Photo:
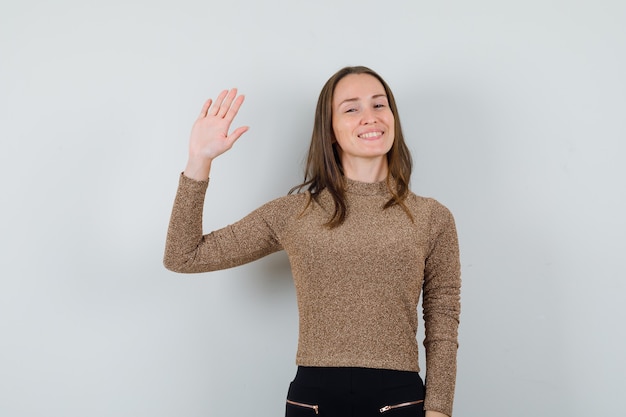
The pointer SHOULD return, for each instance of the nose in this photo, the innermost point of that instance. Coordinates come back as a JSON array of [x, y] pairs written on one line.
[[368, 116]]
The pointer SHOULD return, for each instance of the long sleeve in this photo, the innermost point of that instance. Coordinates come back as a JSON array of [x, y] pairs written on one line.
[[341, 273], [441, 308], [188, 250]]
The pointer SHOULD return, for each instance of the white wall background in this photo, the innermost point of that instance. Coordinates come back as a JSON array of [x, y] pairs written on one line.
[[515, 113]]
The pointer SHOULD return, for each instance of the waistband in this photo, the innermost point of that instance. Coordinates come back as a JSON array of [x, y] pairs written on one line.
[[358, 379]]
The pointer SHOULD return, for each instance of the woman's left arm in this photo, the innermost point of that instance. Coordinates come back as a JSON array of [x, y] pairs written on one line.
[[441, 307]]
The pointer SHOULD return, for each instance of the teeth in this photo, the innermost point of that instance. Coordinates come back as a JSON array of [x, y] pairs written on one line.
[[370, 135]]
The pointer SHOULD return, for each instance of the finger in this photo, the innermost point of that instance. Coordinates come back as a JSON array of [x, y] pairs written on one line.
[[234, 109], [225, 106], [218, 103], [205, 108], [236, 134]]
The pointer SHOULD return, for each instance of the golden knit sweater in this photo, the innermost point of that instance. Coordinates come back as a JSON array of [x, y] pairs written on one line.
[[357, 285]]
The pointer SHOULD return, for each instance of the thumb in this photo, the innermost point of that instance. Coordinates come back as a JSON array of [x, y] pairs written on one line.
[[236, 134]]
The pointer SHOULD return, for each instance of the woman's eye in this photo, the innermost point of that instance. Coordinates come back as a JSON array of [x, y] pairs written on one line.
[[350, 110], [379, 106]]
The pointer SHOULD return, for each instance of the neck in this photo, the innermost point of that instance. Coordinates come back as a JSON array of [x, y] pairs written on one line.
[[365, 170]]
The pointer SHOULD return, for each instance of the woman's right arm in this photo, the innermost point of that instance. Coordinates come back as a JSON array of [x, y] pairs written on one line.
[[209, 138]]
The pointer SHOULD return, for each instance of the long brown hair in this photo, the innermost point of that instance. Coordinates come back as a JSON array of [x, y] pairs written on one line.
[[323, 165]]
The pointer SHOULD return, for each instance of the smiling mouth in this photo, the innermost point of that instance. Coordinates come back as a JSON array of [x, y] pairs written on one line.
[[371, 135]]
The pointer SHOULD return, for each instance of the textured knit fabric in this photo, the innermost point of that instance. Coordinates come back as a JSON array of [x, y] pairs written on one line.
[[357, 285]]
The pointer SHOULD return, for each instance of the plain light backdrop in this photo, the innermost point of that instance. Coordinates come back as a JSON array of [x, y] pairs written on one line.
[[514, 111]]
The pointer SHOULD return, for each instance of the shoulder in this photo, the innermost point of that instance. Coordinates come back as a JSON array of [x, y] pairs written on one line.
[[430, 215], [427, 205], [285, 206]]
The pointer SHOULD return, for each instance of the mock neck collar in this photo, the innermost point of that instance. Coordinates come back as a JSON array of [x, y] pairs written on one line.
[[366, 188]]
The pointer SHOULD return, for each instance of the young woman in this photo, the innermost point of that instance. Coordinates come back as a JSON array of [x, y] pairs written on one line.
[[362, 249]]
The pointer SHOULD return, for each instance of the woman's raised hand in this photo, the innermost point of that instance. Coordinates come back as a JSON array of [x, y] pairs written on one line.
[[209, 135]]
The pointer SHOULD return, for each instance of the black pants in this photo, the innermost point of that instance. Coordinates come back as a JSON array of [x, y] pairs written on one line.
[[357, 392]]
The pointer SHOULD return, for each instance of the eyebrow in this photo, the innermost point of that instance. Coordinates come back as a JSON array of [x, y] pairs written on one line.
[[348, 100]]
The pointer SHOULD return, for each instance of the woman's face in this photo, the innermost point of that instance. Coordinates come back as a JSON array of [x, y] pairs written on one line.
[[362, 120]]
